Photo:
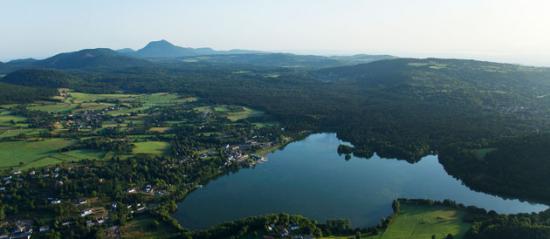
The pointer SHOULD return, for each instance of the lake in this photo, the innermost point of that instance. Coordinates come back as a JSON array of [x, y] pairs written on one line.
[[308, 177]]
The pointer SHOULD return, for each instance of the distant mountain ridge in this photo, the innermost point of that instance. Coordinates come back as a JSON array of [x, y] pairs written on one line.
[[165, 49], [163, 53], [83, 59], [100, 57], [24, 60]]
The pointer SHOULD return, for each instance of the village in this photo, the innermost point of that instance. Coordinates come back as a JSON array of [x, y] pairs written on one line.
[[76, 181], [96, 212]]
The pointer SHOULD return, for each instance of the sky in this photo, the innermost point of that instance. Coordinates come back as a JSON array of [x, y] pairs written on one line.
[[516, 31]]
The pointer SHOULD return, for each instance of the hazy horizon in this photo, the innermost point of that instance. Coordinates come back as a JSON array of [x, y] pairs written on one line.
[[502, 31]]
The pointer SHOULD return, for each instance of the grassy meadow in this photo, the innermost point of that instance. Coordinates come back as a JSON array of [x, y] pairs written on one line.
[[232, 113], [145, 227], [150, 147], [423, 221], [19, 153]]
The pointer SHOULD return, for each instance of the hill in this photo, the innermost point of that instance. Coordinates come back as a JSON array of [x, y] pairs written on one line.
[[12, 65], [84, 59], [165, 49], [361, 58], [40, 78], [126, 51], [91, 58], [286, 60], [21, 94], [267, 60], [23, 61]]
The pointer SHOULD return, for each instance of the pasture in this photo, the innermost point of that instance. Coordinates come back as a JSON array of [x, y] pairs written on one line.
[[150, 147], [20, 153], [423, 221]]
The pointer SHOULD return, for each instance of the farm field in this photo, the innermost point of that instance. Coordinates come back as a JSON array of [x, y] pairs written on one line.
[[52, 107], [9, 120], [423, 221], [23, 148], [144, 227], [150, 147], [19, 132], [14, 153], [77, 116], [233, 113]]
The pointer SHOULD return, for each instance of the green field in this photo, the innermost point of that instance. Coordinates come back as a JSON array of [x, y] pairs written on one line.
[[159, 99], [80, 154], [13, 153], [422, 221], [150, 147], [233, 113], [144, 227], [77, 101], [79, 97], [6, 120], [159, 129], [152, 100], [243, 114], [93, 106], [16, 132], [53, 107]]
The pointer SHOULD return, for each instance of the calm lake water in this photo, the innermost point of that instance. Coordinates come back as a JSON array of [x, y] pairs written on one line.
[[309, 178]]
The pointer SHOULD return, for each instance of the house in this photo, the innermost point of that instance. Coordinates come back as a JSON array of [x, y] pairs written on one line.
[[82, 201], [148, 189], [44, 229], [22, 226], [141, 209], [21, 235], [86, 213]]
